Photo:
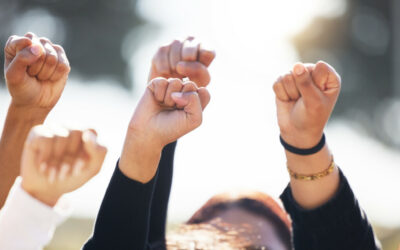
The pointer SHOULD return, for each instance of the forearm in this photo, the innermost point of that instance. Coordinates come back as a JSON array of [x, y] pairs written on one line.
[[18, 123], [140, 157], [311, 194]]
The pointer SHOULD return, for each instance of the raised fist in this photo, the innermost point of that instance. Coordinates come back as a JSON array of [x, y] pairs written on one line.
[[179, 59], [36, 71], [59, 161], [305, 98], [169, 109]]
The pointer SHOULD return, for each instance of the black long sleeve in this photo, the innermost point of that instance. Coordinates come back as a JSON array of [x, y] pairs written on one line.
[[338, 224], [159, 206], [133, 215], [123, 219]]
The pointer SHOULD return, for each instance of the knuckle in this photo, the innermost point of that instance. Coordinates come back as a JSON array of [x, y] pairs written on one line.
[[51, 60], [44, 40], [29, 33], [63, 68]]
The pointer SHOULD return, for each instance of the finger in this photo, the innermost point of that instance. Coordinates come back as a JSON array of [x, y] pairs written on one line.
[[74, 146], [190, 50], [192, 106], [280, 91], [159, 87], [204, 96], [95, 151], [13, 45], [35, 68], [188, 86], [196, 71], [161, 60], [16, 64], [307, 88], [175, 85], [325, 76], [39, 144], [206, 56], [63, 67], [61, 141], [50, 62], [65, 170], [290, 87], [175, 54]]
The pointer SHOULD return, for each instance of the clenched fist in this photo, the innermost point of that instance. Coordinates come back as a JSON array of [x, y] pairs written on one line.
[[168, 110], [55, 162], [179, 59], [305, 98], [36, 71]]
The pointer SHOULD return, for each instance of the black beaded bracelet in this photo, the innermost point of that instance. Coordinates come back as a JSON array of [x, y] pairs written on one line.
[[301, 151]]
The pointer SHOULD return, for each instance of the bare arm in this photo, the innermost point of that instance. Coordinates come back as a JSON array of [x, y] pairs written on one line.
[[305, 98], [36, 72]]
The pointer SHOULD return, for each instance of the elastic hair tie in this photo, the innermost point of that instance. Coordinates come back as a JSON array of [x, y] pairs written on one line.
[[301, 151]]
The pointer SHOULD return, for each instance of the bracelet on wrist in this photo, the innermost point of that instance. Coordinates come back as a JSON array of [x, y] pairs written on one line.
[[312, 177], [302, 151]]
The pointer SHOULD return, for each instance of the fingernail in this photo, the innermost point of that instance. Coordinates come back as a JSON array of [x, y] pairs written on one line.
[[63, 171], [89, 136], [52, 175], [177, 94], [78, 167], [299, 69], [35, 50]]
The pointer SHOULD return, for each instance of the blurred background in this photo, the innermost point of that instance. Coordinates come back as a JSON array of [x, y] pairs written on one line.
[[110, 45]]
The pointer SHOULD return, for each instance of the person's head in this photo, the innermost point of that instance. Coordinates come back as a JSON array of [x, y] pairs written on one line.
[[251, 220]]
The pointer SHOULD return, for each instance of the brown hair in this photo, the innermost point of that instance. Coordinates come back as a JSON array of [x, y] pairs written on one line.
[[254, 202]]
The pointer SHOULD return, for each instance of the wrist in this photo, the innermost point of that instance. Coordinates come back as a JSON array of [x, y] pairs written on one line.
[[140, 157], [28, 114], [302, 139], [48, 199]]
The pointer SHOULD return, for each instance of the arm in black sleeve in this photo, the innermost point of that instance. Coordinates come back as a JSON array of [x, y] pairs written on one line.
[[123, 219], [159, 206], [338, 224]]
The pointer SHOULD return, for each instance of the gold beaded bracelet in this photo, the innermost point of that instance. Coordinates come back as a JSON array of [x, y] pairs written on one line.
[[313, 176]]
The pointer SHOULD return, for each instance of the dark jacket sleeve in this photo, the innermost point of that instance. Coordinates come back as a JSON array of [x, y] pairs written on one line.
[[159, 206], [123, 219], [338, 224]]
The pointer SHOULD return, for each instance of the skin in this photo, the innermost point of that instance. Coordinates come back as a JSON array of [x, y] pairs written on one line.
[[55, 162], [305, 98], [36, 72], [183, 58], [161, 117], [167, 110]]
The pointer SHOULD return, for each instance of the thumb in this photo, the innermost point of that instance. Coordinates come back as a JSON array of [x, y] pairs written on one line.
[[326, 78], [95, 151], [191, 104], [24, 58], [204, 96]]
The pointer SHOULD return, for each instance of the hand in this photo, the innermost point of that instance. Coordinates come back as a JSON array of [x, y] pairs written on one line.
[[57, 163], [305, 99], [168, 110], [36, 71], [179, 59]]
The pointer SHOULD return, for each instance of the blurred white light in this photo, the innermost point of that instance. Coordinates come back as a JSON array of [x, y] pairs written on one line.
[[42, 23]]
